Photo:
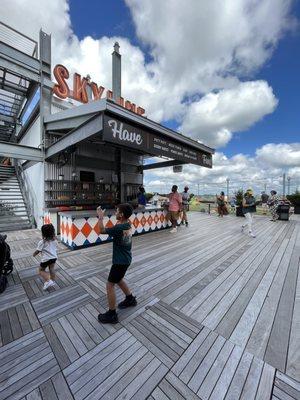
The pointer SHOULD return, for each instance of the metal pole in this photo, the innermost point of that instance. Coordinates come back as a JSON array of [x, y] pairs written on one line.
[[283, 184], [227, 189], [289, 184], [116, 72]]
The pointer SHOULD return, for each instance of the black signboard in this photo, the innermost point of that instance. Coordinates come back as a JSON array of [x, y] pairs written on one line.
[[116, 131]]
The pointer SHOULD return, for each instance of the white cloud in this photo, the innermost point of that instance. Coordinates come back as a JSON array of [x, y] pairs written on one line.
[[196, 49], [280, 155], [213, 118], [200, 50], [266, 167]]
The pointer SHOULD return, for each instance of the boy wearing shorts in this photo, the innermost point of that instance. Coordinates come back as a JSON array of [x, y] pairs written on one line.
[[121, 259]]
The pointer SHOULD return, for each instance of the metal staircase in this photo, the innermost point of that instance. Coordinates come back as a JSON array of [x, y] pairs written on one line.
[[13, 211]]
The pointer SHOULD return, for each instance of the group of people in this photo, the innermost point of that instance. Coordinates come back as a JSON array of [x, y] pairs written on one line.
[[178, 206], [121, 253], [122, 244]]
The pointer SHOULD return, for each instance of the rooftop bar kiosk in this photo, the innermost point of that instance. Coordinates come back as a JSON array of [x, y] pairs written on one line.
[[77, 145], [95, 156]]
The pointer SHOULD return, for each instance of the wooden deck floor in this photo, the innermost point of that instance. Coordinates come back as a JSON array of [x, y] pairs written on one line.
[[218, 317]]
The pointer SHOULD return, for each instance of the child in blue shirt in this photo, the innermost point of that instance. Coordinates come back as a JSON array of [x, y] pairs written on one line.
[[121, 259]]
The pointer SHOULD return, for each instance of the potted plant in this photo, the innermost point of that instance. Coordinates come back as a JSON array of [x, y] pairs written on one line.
[[295, 200], [239, 203]]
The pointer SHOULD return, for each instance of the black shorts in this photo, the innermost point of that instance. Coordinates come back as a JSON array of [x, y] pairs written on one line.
[[45, 264], [117, 273]]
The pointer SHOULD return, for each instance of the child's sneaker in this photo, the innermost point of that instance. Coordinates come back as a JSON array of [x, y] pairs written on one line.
[[252, 234], [48, 284], [173, 230], [130, 301], [109, 317]]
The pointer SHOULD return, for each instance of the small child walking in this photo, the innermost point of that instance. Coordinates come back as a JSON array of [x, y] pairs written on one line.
[[121, 259], [48, 249]]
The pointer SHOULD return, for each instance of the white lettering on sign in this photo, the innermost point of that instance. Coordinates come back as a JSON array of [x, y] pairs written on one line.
[[123, 134], [206, 160]]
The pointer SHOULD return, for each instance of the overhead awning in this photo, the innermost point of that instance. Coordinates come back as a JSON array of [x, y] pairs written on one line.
[[104, 120]]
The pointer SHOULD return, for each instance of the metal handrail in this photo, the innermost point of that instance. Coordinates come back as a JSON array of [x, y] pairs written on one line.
[[27, 192]]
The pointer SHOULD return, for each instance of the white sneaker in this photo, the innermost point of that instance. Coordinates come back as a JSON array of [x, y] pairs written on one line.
[[48, 284], [173, 230], [252, 234]]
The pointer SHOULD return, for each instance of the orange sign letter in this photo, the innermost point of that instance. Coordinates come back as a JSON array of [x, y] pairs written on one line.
[[61, 89], [79, 91]]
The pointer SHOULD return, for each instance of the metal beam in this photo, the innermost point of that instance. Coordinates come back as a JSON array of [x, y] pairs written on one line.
[[20, 152], [79, 111], [161, 165], [85, 131], [7, 118], [70, 123]]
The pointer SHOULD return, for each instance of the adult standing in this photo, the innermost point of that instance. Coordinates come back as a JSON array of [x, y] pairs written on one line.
[[264, 202], [273, 204], [249, 207], [175, 206], [222, 209], [185, 205]]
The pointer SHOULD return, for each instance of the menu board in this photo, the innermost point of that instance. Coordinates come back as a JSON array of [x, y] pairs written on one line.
[[121, 133]]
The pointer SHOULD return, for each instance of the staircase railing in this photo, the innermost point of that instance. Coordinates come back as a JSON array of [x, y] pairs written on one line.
[[27, 193]]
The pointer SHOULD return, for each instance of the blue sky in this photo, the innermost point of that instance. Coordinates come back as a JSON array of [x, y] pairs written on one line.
[[113, 18], [224, 72]]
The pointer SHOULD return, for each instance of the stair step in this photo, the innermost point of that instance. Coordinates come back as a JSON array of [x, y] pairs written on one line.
[[2, 168], [14, 228], [14, 219]]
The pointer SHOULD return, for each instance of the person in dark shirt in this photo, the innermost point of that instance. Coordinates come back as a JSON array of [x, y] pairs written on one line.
[[142, 201], [249, 207], [264, 202], [121, 259]]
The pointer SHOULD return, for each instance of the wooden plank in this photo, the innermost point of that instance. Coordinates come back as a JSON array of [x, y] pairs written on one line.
[[280, 394], [238, 381], [244, 327], [235, 311], [150, 384], [223, 383], [184, 360], [100, 384], [89, 359], [277, 349], [265, 387], [47, 390], [137, 332], [61, 388], [141, 384], [128, 380], [179, 387], [66, 343], [57, 348], [192, 366], [34, 395], [215, 371], [206, 364], [252, 381]]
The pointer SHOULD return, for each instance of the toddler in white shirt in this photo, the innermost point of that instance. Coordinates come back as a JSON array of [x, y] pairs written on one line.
[[48, 249]]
